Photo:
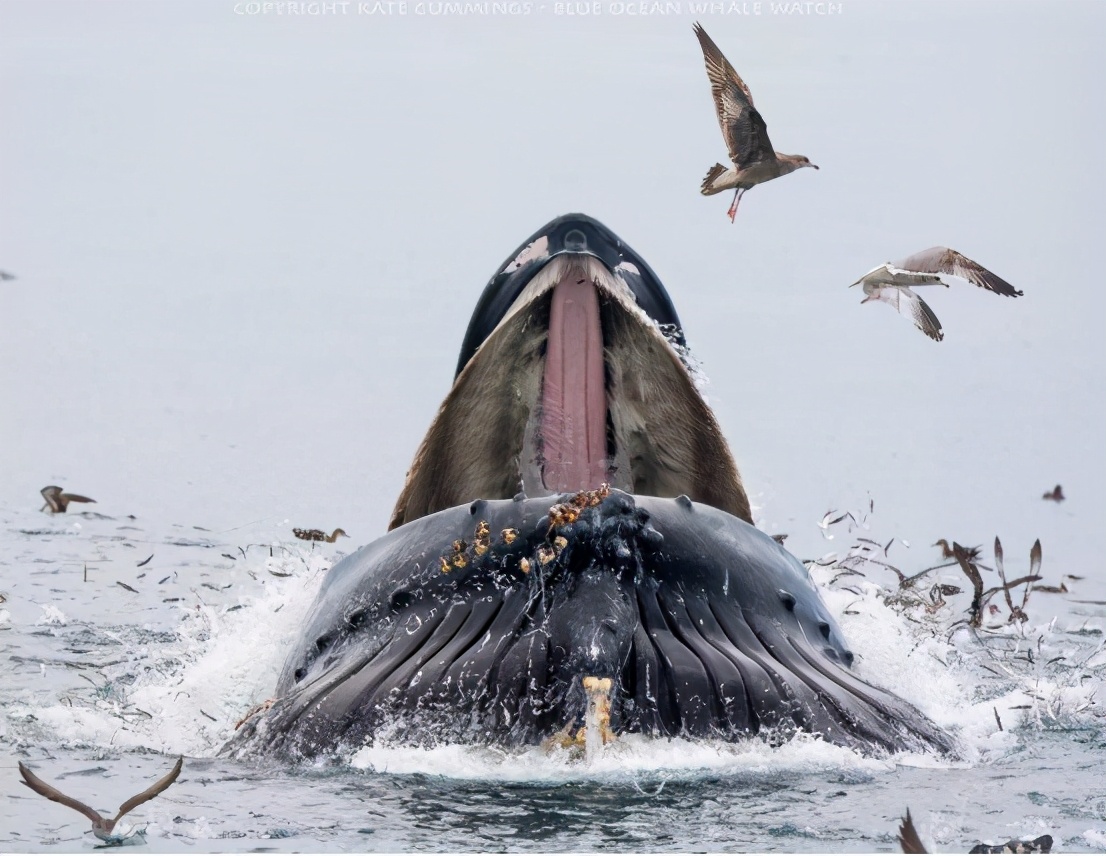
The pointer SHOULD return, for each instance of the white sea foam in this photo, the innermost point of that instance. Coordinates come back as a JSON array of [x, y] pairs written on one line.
[[189, 694], [52, 616], [629, 758]]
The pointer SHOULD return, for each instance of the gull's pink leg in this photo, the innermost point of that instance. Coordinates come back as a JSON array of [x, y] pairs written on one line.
[[736, 199]]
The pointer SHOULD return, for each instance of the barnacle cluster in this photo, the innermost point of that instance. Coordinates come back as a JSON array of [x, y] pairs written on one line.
[[462, 551], [457, 557], [482, 542], [565, 513], [561, 514]]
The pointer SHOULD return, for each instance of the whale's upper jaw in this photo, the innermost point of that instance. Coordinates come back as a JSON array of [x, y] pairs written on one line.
[[576, 234], [576, 383]]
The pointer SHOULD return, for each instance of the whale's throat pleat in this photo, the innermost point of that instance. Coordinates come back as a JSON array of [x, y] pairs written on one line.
[[574, 396]]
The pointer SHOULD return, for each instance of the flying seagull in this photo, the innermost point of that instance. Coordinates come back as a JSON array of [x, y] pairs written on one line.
[[743, 129], [891, 283], [1056, 494], [102, 827], [57, 502]]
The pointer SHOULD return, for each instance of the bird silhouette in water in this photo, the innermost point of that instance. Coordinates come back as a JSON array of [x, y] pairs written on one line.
[[1056, 494], [743, 129], [57, 502], [890, 283], [911, 842], [102, 827], [948, 553], [319, 535], [1041, 844]]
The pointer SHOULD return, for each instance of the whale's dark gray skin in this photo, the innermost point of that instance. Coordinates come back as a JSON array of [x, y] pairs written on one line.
[[477, 618], [706, 626]]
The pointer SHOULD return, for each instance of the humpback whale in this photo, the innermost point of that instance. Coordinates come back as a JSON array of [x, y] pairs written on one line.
[[573, 540]]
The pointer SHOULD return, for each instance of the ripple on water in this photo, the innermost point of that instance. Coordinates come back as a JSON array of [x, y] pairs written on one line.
[[171, 668]]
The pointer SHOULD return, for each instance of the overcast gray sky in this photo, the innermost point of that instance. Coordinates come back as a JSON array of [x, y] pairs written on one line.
[[247, 247]]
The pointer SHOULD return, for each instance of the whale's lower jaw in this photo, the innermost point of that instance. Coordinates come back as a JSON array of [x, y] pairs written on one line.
[[478, 624]]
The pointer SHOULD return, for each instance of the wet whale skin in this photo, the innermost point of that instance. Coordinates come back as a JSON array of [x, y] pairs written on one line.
[[706, 626]]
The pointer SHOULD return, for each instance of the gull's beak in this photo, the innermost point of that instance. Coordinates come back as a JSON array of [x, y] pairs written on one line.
[[813, 165]]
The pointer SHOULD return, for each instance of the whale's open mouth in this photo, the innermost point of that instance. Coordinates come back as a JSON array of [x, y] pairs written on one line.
[[572, 374], [592, 381], [513, 605]]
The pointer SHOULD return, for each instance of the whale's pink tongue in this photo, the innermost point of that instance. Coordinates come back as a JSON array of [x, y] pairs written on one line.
[[574, 397]]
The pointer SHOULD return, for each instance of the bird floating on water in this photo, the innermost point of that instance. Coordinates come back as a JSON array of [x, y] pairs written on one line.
[[319, 535], [1041, 844], [743, 129], [1056, 494], [102, 827], [891, 283], [948, 553], [57, 502], [911, 842]]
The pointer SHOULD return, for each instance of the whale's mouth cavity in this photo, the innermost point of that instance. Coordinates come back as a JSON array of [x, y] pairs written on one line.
[[571, 376], [573, 431]]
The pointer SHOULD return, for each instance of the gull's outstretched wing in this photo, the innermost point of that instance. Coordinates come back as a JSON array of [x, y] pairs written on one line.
[[909, 840], [944, 260], [151, 791], [1035, 558], [743, 128], [907, 303], [51, 793]]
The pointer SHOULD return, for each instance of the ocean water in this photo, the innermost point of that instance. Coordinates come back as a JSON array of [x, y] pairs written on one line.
[[246, 247], [105, 685]]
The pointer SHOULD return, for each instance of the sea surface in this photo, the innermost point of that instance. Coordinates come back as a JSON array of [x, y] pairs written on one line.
[[128, 642]]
